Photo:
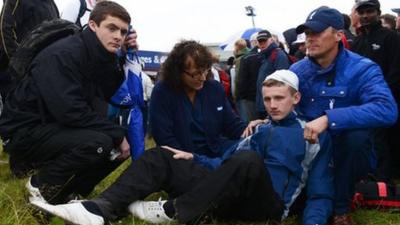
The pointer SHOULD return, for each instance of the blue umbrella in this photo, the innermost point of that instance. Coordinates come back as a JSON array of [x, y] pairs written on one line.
[[245, 34]]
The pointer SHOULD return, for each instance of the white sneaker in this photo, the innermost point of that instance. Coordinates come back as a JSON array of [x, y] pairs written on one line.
[[34, 193], [149, 211], [73, 213]]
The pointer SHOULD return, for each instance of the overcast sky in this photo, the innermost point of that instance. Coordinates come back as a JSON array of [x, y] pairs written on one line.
[[162, 23]]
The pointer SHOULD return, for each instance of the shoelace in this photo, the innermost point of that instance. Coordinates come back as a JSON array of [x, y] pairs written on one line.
[[156, 206], [35, 192]]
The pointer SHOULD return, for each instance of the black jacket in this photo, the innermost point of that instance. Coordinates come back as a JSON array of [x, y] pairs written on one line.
[[382, 46], [69, 83], [19, 17], [247, 81]]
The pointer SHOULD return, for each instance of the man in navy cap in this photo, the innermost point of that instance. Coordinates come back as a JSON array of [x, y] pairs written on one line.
[[271, 58], [382, 46], [345, 94]]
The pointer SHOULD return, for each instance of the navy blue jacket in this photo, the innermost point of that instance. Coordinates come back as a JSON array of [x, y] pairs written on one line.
[[170, 122]]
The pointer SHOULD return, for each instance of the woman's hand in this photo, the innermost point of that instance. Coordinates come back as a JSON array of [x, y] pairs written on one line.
[[179, 154]]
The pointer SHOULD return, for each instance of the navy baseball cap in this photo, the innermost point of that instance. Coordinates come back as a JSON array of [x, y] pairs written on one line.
[[263, 35], [397, 10], [322, 18]]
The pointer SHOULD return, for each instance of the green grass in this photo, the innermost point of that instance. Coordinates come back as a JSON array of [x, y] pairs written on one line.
[[14, 209]]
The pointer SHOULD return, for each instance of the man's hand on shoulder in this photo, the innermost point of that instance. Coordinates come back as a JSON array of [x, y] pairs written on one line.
[[313, 128], [251, 126]]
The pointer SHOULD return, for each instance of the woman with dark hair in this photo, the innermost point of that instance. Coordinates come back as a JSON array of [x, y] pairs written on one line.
[[189, 110]]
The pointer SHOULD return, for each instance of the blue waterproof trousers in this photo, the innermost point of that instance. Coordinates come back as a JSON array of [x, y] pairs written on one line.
[[352, 150]]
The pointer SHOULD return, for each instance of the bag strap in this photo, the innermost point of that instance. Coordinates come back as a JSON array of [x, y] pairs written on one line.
[[82, 10]]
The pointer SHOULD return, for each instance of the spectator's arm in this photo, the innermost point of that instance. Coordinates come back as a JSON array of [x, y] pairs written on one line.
[[282, 61], [377, 107], [62, 93]]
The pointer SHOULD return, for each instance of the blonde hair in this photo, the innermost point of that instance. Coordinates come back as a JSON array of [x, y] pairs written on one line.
[[240, 44]]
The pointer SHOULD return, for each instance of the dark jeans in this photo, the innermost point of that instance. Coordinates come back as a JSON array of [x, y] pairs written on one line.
[[75, 159], [352, 151], [387, 148], [239, 189]]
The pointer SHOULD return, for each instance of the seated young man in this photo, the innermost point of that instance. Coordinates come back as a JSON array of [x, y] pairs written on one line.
[[259, 179]]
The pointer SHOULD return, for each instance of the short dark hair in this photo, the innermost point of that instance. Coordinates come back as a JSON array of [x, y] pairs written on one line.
[[173, 67], [390, 19], [109, 8], [230, 61]]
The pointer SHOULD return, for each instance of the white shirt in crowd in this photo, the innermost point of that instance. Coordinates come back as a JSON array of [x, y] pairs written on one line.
[[215, 74], [148, 86], [69, 10]]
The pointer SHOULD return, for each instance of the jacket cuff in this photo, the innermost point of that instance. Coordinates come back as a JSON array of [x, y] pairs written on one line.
[[334, 121], [118, 136]]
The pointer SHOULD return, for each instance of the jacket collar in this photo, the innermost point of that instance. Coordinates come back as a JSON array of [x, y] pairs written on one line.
[[339, 57], [96, 50], [290, 119], [242, 52], [266, 52]]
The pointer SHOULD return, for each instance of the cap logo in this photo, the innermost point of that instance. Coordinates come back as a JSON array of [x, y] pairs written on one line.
[[312, 15]]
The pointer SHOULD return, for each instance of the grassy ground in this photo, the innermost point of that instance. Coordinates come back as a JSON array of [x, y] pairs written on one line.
[[14, 209]]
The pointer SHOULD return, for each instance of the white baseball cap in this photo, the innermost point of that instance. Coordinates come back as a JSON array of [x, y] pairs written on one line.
[[301, 38], [285, 76]]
